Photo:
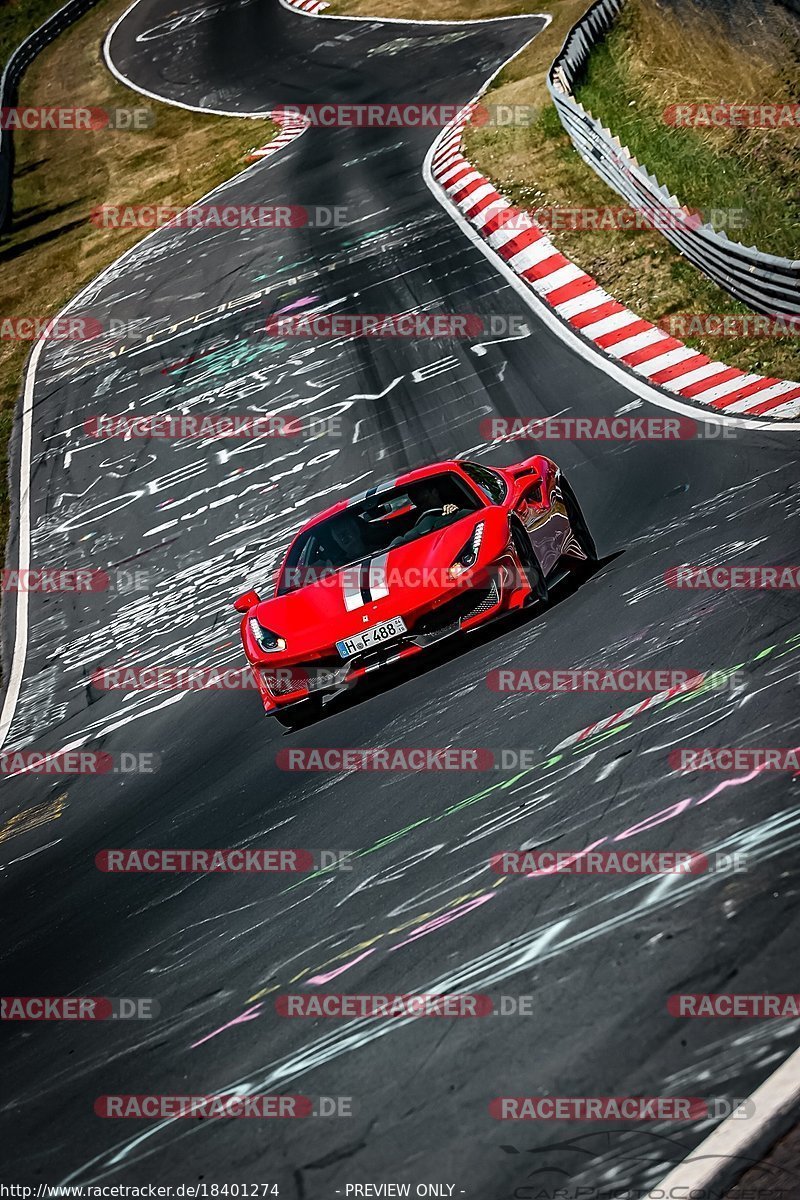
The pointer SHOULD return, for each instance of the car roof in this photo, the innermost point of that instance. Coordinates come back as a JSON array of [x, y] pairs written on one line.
[[385, 486]]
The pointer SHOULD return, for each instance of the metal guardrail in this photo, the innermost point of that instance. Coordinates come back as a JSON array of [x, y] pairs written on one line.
[[14, 69], [765, 282]]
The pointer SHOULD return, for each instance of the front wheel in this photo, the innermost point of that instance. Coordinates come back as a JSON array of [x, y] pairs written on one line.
[[580, 536], [530, 566]]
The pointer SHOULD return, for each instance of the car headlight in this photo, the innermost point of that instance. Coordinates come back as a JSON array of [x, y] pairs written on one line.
[[265, 639], [468, 554]]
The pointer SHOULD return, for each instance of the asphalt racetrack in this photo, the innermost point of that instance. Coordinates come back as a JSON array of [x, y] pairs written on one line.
[[420, 910]]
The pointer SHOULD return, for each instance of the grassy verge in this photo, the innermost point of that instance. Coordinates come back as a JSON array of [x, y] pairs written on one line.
[[654, 57], [537, 165], [54, 249]]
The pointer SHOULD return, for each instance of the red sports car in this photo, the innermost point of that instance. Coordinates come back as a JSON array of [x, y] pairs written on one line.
[[376, 579]]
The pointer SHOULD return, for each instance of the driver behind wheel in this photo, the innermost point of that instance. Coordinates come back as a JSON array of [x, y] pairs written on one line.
[[433, 515]]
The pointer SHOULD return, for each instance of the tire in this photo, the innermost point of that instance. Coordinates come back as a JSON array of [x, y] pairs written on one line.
[[297, 716], [530, 566], [580, 532]]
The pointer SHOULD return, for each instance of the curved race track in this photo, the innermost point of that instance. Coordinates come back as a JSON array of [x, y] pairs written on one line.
[[599, 956]]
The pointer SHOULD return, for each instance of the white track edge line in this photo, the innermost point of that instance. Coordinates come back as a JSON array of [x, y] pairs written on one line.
[[324, 16], [774, 1101]]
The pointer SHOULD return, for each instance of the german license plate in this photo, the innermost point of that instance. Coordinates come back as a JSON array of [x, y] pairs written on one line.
[[376, 635]]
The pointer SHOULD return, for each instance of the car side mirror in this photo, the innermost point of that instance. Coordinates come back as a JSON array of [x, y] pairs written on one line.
[[246, 601]]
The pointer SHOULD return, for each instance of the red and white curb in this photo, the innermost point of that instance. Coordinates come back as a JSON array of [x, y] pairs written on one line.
[[625, 714], [292, 125], [308, 6], [577, 298]]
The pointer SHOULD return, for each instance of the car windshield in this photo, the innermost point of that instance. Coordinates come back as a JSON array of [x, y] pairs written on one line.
[[376, 524]]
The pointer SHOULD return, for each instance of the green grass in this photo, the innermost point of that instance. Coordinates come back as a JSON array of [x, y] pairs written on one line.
[[755, 171]]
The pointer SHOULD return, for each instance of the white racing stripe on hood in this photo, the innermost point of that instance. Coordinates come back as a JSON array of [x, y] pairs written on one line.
[[365, 583], [351, 588], [377, 577]]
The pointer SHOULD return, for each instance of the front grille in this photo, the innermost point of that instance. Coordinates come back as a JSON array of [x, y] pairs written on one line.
[[489, 601], [318, 676], [449, 617]]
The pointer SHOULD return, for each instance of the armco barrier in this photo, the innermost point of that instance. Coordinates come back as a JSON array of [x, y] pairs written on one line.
[[14, 69], [765, 282]]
